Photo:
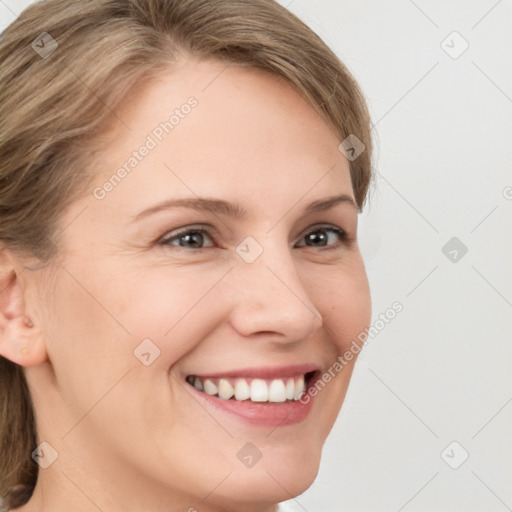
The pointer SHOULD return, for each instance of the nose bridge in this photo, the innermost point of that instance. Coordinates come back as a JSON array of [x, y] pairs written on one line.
[[271, 296]]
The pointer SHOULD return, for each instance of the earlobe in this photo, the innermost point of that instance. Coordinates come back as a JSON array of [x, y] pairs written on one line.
[[20, 338], [22, 344]]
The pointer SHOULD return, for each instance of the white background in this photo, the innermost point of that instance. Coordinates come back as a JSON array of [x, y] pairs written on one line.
[[441, 370]]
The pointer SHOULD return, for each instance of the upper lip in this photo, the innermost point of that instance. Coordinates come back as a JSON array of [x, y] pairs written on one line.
[[266, 372]]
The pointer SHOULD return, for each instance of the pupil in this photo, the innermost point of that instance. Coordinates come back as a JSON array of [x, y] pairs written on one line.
[[318, 237], [195, 239]]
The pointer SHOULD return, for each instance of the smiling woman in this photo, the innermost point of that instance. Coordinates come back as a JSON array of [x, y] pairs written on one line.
[[156, 341]]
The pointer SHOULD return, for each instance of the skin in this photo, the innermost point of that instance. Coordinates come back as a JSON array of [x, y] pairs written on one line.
[[130, 437]]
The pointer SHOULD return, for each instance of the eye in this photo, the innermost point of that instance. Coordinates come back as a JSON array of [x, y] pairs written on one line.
[[188, 239], [328, 237]]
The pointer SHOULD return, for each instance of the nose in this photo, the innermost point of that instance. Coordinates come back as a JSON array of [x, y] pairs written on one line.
[[270, 298]]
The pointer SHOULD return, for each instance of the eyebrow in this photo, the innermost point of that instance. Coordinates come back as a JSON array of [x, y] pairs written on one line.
[[235, 210]]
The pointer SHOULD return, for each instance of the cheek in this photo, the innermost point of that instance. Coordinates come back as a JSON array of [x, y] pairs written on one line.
[[175, 308], [88, 344], [342, 296], [180, 308]]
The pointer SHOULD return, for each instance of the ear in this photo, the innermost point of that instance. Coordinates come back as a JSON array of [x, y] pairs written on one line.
[[20, 335]]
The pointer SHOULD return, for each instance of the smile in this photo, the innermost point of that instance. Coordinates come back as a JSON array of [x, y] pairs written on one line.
[[276, 390], [261, 397]]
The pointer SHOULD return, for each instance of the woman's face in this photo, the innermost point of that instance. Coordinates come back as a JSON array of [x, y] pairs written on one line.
[[242, 287]]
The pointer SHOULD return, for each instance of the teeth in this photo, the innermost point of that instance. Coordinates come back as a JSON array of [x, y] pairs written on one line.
[[242, 390], [226, 390], [259, 391], [198, 384], [210, 387], [290, 389], [299, 388], [277, 391], [256, 390]]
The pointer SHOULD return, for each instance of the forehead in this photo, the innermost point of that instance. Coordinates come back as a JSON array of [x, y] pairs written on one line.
[[210, 128]]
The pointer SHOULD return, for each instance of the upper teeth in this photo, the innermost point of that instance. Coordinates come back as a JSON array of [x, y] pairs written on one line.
[[256, 390]]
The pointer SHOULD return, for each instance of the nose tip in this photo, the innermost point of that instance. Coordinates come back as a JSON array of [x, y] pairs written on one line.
[[275, 303]]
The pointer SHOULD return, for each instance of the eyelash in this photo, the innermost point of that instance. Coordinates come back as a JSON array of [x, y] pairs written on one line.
[[343, 236]]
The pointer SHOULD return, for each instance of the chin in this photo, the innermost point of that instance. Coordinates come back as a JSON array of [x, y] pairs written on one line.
[[284, 471], [267, 485]]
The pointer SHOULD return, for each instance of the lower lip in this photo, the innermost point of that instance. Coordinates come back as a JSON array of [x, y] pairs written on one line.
[[264, 414]]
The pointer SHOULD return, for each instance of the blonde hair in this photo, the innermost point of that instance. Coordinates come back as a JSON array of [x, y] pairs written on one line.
[[65, 67]]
